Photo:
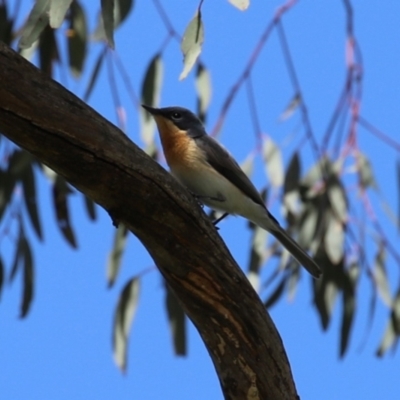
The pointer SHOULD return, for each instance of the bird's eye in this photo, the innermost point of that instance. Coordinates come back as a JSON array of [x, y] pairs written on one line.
[[176, 115]]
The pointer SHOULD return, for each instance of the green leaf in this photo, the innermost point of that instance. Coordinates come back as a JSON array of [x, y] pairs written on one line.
[[107, 14], [192, 41], [365, 173], [58, 9], [36, 22], [334, 239], [28, 278], [257, 256], [29, 186], [120, 10], [396, 313], [8, 182], [292, 284], [242, 5], [60, 195], [338, 201], [389, 339], [326, 289], [349, 306], [276, 294], [48, 50], [291, 107], [94, 76], [6, 25], [90, 206], [18, 163], [248, 164], [151, 88], [308, 226], [18, 252], [380, 276], [177, 321], [123, 318], [292, 177], [203, 89], [273, 162], [115, 256], [77, 39]]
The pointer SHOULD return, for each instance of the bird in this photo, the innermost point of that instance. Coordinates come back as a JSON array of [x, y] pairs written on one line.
[[209, 171]]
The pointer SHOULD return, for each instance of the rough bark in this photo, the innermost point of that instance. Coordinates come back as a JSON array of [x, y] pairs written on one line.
[[64, 133]]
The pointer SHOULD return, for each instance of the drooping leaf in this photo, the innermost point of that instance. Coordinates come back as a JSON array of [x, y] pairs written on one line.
[[396, 313], [389, 339], [257, 256], [151, 89], [292, 284], [322, 167], [292, 176], [36, 22], [29, 188], [365, 173], [326, 288], [6, 25], [115, 256], [77, 39], [192, 41], [123, 318], [242, 5], [334, 239], [291, 107], [203, 89], [121, 11], [61, 191], [48, 50], [107, 14], [58, 9], [177, 322], [248, 164], [273, 162], [28, 278], [90, 206], [338, 201], [94, 76], [349, 307], [380, 276], [8, 182], [276, 294], [18, 252]]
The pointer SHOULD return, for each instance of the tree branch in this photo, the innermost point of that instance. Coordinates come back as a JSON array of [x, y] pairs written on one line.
[[44, 118]]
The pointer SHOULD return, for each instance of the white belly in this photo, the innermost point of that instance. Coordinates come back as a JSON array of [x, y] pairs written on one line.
[[210, 185]]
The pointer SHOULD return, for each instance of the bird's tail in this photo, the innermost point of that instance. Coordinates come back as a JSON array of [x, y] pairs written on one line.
[[296, 251]]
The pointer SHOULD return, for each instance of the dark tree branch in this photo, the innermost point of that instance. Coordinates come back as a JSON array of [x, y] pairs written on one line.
[[44, 118]]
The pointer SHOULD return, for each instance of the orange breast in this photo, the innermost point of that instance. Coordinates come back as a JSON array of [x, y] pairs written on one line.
[[180, 150]]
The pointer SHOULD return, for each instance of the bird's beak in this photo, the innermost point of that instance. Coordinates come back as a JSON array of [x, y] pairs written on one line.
[[151, 110]]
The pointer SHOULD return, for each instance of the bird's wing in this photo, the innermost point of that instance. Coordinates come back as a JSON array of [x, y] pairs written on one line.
[[226, 165]]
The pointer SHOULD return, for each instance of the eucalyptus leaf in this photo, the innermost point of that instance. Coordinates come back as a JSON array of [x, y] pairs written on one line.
[[115, 256], [151, 88], [192, 41], [37, 20], [123, 318], [58, 9], [273, 162], [177, 322]]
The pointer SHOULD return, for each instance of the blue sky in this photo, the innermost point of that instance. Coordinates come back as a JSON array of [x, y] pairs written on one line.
[[62, 350]]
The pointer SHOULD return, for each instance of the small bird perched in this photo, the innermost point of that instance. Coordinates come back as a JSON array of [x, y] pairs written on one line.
[[202, 165]]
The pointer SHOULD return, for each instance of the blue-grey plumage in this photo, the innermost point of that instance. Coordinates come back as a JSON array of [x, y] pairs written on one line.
[[202, 165]]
